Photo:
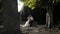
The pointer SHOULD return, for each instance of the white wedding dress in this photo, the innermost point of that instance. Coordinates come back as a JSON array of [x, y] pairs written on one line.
[[27, 22]]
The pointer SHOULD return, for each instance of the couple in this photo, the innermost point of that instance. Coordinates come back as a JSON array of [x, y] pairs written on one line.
[[29, 19]]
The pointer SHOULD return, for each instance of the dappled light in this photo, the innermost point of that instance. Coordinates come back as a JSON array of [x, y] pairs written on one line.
[[29, 17]]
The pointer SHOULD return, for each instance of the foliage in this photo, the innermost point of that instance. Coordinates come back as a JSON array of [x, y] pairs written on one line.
[[57, 0], [30, 3], [0, 6]]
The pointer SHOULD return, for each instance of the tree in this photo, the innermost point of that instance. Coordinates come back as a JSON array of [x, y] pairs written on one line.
[[10, 17], [30, 3]]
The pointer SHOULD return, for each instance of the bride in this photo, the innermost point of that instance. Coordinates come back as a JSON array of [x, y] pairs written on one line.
[[29, 18]]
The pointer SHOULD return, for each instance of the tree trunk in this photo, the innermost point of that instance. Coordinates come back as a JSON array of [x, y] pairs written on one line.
[[10, 17]]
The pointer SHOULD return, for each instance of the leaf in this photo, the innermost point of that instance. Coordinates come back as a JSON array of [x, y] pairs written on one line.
[[30, 3]]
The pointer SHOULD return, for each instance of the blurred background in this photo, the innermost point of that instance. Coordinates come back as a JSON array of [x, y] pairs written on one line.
[[37, 8]]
